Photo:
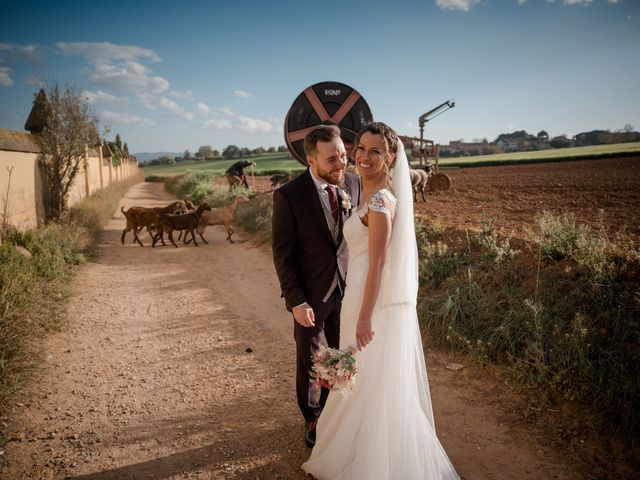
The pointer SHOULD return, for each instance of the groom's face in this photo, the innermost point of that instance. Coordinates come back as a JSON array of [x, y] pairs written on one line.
[[329, 161]]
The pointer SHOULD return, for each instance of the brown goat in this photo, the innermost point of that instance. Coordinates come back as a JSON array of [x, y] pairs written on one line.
[[221, 216], [140, 217], [188, 222]]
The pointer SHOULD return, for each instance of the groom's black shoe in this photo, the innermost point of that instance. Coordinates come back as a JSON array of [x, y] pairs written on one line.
[[310, 433]]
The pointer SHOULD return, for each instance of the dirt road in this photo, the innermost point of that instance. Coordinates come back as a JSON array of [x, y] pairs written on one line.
[[178, 363]]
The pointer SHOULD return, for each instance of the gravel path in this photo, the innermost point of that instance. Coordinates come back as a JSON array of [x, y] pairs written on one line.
[[178, 363]]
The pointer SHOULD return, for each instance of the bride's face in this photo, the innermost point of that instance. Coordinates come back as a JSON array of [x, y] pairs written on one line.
[[372, 155]]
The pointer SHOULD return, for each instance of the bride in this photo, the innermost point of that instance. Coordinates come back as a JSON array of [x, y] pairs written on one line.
[[385, 428]]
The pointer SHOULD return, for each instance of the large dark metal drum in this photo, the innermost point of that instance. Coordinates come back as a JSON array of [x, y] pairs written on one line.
[[325, 102]]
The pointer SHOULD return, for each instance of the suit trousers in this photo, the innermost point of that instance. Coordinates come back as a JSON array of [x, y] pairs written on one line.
[[311, 398]]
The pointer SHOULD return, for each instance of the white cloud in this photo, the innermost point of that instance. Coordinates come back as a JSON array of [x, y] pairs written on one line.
[[127, 75], [226, 111], [106, 51], [253, 125], [203, 108], [522, 2], [154, 102], [173, 108], [464, 5], [148, 100], [186, 95], [126, 119], [577, 2], [117, 66], [5, 77], [216, 124], [242, 94], [104, 97], [613, 2], [10, 54]]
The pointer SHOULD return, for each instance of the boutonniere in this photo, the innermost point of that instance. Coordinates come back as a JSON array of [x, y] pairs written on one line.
[[346, 201]]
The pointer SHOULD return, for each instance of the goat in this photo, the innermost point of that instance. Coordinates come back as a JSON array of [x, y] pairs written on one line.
[[220, 216], [190, 207], [279, 179], [140, 217], [428, 167], [187, 221], [420, 179], [418, 182]]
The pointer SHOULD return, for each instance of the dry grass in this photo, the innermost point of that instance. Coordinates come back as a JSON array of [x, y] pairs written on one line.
[[562, 314], [33, 291]]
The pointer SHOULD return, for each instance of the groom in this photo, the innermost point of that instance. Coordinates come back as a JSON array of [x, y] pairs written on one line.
[[310, 256]]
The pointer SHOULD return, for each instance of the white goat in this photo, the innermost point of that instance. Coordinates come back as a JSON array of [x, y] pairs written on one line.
[[419, 180]]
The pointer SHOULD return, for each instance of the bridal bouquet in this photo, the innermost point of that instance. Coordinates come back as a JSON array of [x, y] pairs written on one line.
[[335, 369]]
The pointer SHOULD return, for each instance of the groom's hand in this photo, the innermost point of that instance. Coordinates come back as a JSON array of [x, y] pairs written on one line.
[[304, 315]]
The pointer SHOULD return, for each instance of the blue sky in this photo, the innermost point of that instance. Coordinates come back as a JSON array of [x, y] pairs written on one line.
[[170, 76]]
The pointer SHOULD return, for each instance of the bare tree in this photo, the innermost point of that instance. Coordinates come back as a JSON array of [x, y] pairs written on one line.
[[70, 127]]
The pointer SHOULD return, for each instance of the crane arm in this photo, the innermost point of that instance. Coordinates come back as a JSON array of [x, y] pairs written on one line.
[[425, 117]]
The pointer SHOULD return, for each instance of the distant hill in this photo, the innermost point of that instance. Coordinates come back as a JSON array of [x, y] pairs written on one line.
[[146, 156]]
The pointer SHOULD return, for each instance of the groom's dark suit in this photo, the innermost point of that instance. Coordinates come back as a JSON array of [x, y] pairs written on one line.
[[305, 254]]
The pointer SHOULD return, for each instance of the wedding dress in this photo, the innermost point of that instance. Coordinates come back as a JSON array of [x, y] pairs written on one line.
[[385, 428]]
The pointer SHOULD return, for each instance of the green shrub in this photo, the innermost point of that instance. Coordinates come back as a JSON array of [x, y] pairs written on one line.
[[557, 236], [574, 331], [255, 216], [196, 186], [498, 250], [219, 195], [436, 263], [155, 179]]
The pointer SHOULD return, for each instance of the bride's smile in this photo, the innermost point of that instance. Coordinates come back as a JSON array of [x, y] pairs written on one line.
[[372, 155]]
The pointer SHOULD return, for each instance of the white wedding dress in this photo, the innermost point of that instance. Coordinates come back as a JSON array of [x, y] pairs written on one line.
[[385, 428]]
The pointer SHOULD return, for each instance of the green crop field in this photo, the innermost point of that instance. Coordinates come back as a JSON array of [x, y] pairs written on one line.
[[270, 163], [265, 165], [555, 155]]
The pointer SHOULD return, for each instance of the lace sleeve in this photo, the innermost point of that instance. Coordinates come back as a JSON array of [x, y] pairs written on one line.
[[381, 201]]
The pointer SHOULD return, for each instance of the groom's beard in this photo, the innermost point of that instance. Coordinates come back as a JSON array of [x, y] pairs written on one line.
[[334, 178]]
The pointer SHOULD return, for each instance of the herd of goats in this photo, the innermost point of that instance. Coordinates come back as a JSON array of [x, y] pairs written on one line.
[[185, 217], [182, 216]]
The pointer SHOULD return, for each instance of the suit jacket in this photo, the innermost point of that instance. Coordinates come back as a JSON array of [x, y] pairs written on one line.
[[305, 253]]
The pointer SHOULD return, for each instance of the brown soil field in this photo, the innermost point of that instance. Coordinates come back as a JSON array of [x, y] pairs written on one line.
[[514, 194], [178, 362]]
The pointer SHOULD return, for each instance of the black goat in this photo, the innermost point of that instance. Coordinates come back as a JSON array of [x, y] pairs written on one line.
[[188, 222]]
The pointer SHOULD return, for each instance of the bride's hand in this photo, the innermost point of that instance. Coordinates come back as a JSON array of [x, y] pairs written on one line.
[[364, 333]]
